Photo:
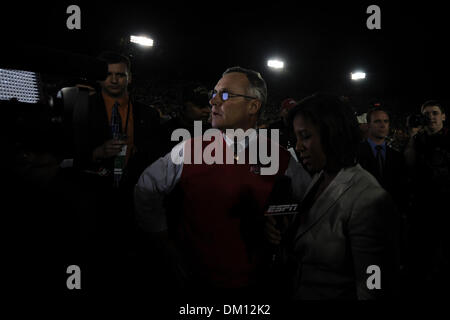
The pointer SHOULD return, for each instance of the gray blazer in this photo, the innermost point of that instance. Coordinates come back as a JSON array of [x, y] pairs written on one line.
[[348, 228]]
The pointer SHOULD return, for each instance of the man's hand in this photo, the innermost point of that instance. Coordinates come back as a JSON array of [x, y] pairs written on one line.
[[109, 149], [413, 131]]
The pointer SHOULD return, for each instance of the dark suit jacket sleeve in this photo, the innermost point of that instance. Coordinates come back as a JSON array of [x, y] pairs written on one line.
[[365, 156], [95, 132], [371, 240], [147, 139], [399, 179]]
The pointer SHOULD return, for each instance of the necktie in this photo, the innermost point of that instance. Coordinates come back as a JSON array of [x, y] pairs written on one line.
[[116, 121], [116, 128], [380, 161]]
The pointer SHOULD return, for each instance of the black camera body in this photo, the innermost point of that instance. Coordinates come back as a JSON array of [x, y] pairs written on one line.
[[57, 123]]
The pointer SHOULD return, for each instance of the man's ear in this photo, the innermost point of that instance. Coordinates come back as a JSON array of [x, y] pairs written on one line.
[[443, 117], [129, 77], [255, 105]]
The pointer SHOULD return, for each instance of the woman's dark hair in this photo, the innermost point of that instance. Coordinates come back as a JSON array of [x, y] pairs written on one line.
[[337, 124]]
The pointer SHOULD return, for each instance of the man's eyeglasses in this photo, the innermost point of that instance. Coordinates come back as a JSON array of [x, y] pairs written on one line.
[[225, 95]]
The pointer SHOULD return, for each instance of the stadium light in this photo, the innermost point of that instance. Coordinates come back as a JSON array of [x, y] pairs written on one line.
[[358, 75], [275, 64], [143, 41]]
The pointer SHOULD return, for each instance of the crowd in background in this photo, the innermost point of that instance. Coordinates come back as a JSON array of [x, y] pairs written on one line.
[[165, 101]]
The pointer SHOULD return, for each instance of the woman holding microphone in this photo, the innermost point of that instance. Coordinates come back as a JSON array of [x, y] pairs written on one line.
[[341, 244]]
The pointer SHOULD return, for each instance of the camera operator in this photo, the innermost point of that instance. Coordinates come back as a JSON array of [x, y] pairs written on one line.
[[45, 216], [428, 158]]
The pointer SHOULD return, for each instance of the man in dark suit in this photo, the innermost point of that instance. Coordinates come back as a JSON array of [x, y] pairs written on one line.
[[137, 126], [388, 167], [383, 162], [122, 140]]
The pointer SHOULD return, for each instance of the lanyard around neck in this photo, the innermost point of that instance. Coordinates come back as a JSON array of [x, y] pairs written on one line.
[[128, 116]]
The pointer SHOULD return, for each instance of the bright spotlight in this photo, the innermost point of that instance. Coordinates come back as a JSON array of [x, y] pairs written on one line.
[[21, 85], [358, 75], [143, 41], [276, 64]]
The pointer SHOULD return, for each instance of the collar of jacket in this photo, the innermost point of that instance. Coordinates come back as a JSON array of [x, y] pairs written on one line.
[[328, 198]]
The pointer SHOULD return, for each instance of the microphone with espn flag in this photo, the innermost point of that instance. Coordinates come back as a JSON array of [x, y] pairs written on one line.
[[281, 200]]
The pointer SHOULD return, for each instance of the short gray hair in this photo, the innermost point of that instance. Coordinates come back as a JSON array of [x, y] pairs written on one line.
[[257, 87]]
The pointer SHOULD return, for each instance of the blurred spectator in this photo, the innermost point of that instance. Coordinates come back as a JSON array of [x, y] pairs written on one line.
[[398, 139], [282, 125], [363, 125], [195, 106], [163, 110]]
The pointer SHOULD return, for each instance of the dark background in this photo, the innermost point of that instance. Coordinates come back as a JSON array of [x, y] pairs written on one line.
[[406, 62]]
